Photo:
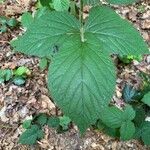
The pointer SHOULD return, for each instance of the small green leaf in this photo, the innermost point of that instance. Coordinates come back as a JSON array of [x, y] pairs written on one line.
[[45, 2], [112, 117], [3, 29], [41, 119], [146, 99], [100, 125], [2, 1], [26, 124], [114, 132], [30, 136], [43, 63], [122, 2], [8, 74], [146, 133], [64, 122], [12, 22], [26, 19], [127, 130], [3, 20], [140, 115], [129, 93], [61, 5], [5, 75], [22, 71], [129, 58], [2, 80], [19, 81], [129, 113], [53, 122]]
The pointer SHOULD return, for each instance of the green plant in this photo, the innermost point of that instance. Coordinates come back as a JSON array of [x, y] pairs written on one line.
[[119, 120], [31, 135], [17, 75], [6, 23], [140, 100], [5, 75], [82, 76], [129, 58], [33, 127]]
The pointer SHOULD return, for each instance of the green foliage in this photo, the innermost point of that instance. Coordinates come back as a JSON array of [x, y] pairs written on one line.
[[121, 2], [127, 130], [45, 2], [18, 75], [19, 81], [129, 93], [30, 136], [5, 75], [6, 23], [141, 8], [146, 99], [140, 115], [58, 5], [41, 119], [27, 124], [53, 122], [12, 22], [129, 58], [2, 1], [22, 71], [26, 20], [129, 113], [72, 42], [61, 5], [64, 122], [81, 76], [118, 123], [141, 106], [143, 132], [34, 126], [43, 63], [112, 117], [91, 2]]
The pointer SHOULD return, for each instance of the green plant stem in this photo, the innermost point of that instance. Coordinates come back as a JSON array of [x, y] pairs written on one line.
[[81, 12], [81, 20]]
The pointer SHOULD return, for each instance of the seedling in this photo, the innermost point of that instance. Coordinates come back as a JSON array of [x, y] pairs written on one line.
[[36, 124]]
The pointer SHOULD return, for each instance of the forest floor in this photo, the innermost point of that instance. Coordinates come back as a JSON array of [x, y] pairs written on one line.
[[18, 103]]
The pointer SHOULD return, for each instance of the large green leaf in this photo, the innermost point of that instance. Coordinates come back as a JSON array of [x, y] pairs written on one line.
[[121, 2], [79, 82], [115, 34], [81, 76]]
